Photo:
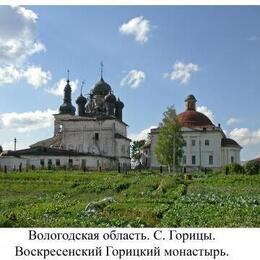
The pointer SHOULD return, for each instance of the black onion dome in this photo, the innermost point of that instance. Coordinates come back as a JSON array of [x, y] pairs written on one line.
[[67, 107], [120, 104], [101, 88], [81, 100], [110, 98]]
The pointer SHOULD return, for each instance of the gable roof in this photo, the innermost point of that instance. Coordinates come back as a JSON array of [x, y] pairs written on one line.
[[45, 151], [53, 142]]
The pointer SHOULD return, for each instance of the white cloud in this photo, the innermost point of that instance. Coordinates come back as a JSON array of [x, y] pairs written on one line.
[[58, 89], [182, 72], [18, 38], [9, 75], [245, 136], [143, 134], [207, 112], [138, 27], [27, 14], [232, 120], [18, 42], [133, 78], [27, 121], [35, 76]]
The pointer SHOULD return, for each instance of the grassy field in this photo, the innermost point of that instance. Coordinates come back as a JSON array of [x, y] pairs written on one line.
[[59, 199]]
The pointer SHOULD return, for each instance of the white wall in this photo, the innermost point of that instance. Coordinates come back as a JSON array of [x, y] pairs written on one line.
[[228, 152], [122, 147], [200, 150], [92, 162], [12, 163], [79, 135]]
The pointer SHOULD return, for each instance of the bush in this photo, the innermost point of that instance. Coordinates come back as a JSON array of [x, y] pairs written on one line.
[[233, 168], [252, 167]]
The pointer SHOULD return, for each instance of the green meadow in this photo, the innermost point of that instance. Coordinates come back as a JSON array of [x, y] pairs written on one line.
[[142, 199]]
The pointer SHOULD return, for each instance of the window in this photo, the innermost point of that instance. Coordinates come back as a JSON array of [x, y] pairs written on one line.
[[83, 163], [211, 159], [96, 136], [123, 149], [193, 142], [184, 159], [57, 162], [184, 143], [207, 142], [193, 159], [42, 162], [232, 159], [49, 162], [70, 162]]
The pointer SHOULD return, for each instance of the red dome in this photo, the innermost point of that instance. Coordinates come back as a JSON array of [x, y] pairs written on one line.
[[191, 118]]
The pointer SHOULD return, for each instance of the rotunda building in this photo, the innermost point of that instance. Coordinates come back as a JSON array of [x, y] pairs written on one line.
[[205, 144]]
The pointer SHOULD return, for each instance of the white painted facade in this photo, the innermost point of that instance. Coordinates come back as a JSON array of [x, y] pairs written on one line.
[[95, 138], [206, 145], [106, 137], [202, 149]]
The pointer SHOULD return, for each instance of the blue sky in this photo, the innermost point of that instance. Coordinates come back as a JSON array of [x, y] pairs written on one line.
[[153, 57]]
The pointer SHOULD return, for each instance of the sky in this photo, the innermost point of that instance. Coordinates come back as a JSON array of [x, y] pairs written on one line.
[[153, 58]]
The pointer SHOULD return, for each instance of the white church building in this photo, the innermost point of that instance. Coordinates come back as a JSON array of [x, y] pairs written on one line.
[[95, 138], [205, 145]]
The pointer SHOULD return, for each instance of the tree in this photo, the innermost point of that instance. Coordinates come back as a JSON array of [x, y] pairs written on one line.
[[252, 167], [136, 150], [170, 142]]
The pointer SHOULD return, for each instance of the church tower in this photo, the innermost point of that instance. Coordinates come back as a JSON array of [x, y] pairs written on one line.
[[67, 107]]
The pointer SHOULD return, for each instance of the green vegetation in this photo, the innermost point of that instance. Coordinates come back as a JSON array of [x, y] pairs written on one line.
[[146, 199], [136, 151], [252, 167], [170, 142]]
